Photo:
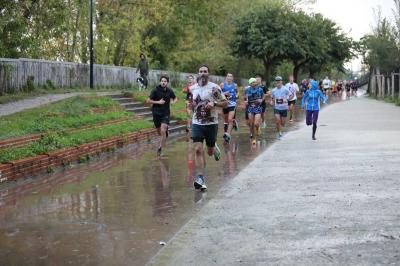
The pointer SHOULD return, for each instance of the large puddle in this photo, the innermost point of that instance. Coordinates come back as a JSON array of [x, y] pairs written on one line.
[[115, 210]]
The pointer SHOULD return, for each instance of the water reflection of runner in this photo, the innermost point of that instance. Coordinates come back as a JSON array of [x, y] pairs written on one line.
[[190, 164], [230, 160], [206, 97], [311, 102], [163, 203]]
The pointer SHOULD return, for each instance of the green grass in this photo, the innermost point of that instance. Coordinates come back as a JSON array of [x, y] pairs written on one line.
[[74, 112], [62, 140], [388, 99]]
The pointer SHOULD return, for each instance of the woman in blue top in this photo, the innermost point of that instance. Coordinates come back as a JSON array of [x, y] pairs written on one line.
[[254, 96], [229, 88], [311, 102]]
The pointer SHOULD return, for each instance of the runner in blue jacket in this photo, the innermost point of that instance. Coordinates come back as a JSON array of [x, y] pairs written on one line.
[[311, 102]]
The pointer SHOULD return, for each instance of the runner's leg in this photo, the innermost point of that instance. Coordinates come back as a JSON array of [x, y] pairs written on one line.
[[163, 131], [231, 117], [257, 122]]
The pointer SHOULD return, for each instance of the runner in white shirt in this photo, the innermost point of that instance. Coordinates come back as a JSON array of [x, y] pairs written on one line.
[[327, 84], [294, 89], [206, 97]]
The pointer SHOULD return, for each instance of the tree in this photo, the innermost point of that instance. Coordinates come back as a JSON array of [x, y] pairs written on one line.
[[265, 34], [276, 33]]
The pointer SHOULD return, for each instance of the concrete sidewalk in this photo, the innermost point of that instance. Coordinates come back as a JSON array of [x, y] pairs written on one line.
[[18, 106], [334, 201]]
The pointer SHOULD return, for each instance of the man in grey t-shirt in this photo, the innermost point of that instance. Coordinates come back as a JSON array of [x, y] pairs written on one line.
[[206, 97], [279, 99]]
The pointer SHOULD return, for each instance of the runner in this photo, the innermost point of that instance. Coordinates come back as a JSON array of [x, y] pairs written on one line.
[[160, 98], [206, 97], [279, 99], [340, 88], [327, 83], [229, 88], [304, 86], [311, 102], [354, 88], [334, 90], [189, 102], [263, 104], [294, 89], [348, 89], [254, 96]]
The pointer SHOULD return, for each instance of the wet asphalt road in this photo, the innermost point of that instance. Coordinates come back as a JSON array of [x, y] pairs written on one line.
[[115, 210]]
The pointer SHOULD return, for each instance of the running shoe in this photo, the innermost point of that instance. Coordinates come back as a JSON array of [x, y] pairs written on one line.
[[235, 125], [313, 137], [217, 153], [291, 121], [254, 142], [264, 125], [199, 183], [226, 137]]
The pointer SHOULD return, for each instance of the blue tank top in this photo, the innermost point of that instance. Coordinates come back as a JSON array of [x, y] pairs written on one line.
[[232, 92]]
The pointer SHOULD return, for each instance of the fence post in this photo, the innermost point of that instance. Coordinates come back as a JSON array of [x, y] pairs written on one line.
[[392, 85], [399, 85], [388, 86]]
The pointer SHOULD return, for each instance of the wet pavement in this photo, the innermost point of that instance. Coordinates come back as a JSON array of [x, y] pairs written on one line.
[[334, 201], [116, 209]]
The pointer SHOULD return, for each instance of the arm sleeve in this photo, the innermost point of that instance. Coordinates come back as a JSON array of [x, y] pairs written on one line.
[[173, 96], [152, 95], [323, 97]]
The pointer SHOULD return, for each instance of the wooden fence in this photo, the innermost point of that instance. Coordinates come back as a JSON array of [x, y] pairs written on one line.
[[385, 85], [15, 73]]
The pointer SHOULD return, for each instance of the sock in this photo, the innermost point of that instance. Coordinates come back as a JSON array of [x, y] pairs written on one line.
[[225, 127]]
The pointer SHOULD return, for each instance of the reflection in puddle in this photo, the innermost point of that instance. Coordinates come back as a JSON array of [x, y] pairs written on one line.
[[115, 210]]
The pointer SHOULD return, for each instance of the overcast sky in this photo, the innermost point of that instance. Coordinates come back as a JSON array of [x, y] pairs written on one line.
[[355, 17]]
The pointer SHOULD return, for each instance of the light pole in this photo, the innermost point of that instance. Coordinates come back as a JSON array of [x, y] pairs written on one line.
[[91, 43]]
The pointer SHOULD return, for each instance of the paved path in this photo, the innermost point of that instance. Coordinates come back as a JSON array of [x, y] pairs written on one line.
[[334, 201], [18, 106]]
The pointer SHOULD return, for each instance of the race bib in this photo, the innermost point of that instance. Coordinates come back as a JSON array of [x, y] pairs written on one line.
[[279, 101]]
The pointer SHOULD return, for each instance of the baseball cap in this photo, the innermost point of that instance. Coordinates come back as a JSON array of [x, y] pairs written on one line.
[[251, 80], [278, 78]]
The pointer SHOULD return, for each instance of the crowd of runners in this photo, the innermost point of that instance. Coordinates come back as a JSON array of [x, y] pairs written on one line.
[[205, 99]]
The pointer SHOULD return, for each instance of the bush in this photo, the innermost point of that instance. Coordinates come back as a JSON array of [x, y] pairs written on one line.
[[30, 84], [49, 85]]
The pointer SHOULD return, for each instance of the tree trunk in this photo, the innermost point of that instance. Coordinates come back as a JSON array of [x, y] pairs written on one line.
[[74, 37], [392, 86], [296, 71], [267, 71], [379, 81]]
